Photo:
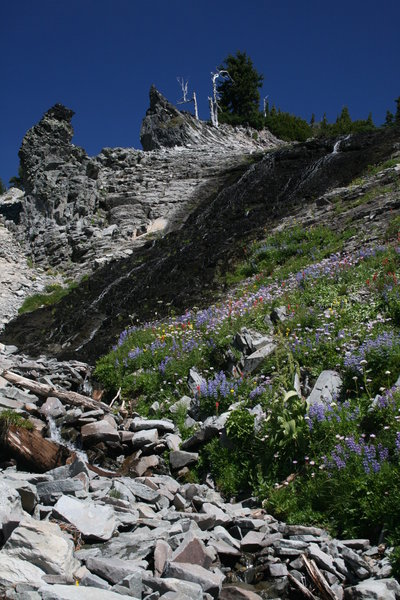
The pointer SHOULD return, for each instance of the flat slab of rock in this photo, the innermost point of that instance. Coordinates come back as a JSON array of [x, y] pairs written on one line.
[[253, 541], [144, 437], [221, 518], [113, 570], [193, 551], [11, 512], [233, 592], [71, 592], [140, 490], [159, 424], [95, 522], [169, 584], [256, 358], [50, 491]]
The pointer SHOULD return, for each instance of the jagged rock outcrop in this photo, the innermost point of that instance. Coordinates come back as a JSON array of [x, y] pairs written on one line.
[[184, 267], [60, 184], [164, 126], [85, 211]]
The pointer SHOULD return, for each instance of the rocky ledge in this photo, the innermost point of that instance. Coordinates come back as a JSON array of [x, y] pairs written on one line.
[[71, 529]]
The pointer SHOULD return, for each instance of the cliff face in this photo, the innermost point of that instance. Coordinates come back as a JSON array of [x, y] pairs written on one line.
[[80, 212], [183, 268]]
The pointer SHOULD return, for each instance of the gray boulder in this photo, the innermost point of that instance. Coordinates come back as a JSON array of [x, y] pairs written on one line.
[[374, 589], [326, 389], [209, 581], [164, 425], [101, 431], [95, 522], [15, 571], [144, 438], [255, 359], [180, 458], [232, 592], [50, 491], [113, 570], [11, 512], [43, 544], [178, 586], [52, 408]]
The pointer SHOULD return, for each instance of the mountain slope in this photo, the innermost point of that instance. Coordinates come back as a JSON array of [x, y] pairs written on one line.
[[184, 268]]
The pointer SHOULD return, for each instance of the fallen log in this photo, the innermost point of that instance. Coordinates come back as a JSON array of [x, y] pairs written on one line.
[[302, 588], [31, 449], [43, 389], [318, 579]]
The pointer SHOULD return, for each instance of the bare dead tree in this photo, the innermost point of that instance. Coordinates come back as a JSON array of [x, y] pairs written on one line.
[[184, 88], [265, 105], [184, 99], [213, 101]]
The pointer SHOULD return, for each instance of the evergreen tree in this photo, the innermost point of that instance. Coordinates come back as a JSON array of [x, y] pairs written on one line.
[[2, 187], [397, 115], [239, 95], [312, 120], [344, 121], [389, 118], [17, 180]]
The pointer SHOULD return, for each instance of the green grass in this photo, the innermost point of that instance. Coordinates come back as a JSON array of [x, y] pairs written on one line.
[[288, 251], [10, 417], [52, 294]]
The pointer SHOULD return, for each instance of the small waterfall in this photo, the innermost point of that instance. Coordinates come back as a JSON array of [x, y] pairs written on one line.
[[336, 147], [312, 170], [56, 436]]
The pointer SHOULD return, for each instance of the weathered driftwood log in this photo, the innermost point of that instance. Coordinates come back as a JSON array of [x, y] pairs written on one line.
[[318, 579], [29, 447], [42, 389]]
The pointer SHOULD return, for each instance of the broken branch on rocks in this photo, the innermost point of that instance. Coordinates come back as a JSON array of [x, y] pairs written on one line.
[[42, 389], [318, 579]]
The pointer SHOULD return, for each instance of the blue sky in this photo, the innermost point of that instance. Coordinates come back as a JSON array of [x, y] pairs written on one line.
[[99, 57]]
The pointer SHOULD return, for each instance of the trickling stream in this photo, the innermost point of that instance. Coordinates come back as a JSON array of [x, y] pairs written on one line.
[[338, 143], [55, 435]]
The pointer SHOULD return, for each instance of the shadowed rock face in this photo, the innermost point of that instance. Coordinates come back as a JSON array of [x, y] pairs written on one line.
[[182, 269]]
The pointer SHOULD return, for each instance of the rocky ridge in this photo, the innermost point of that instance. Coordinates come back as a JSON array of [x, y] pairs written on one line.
[[80, 212]]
